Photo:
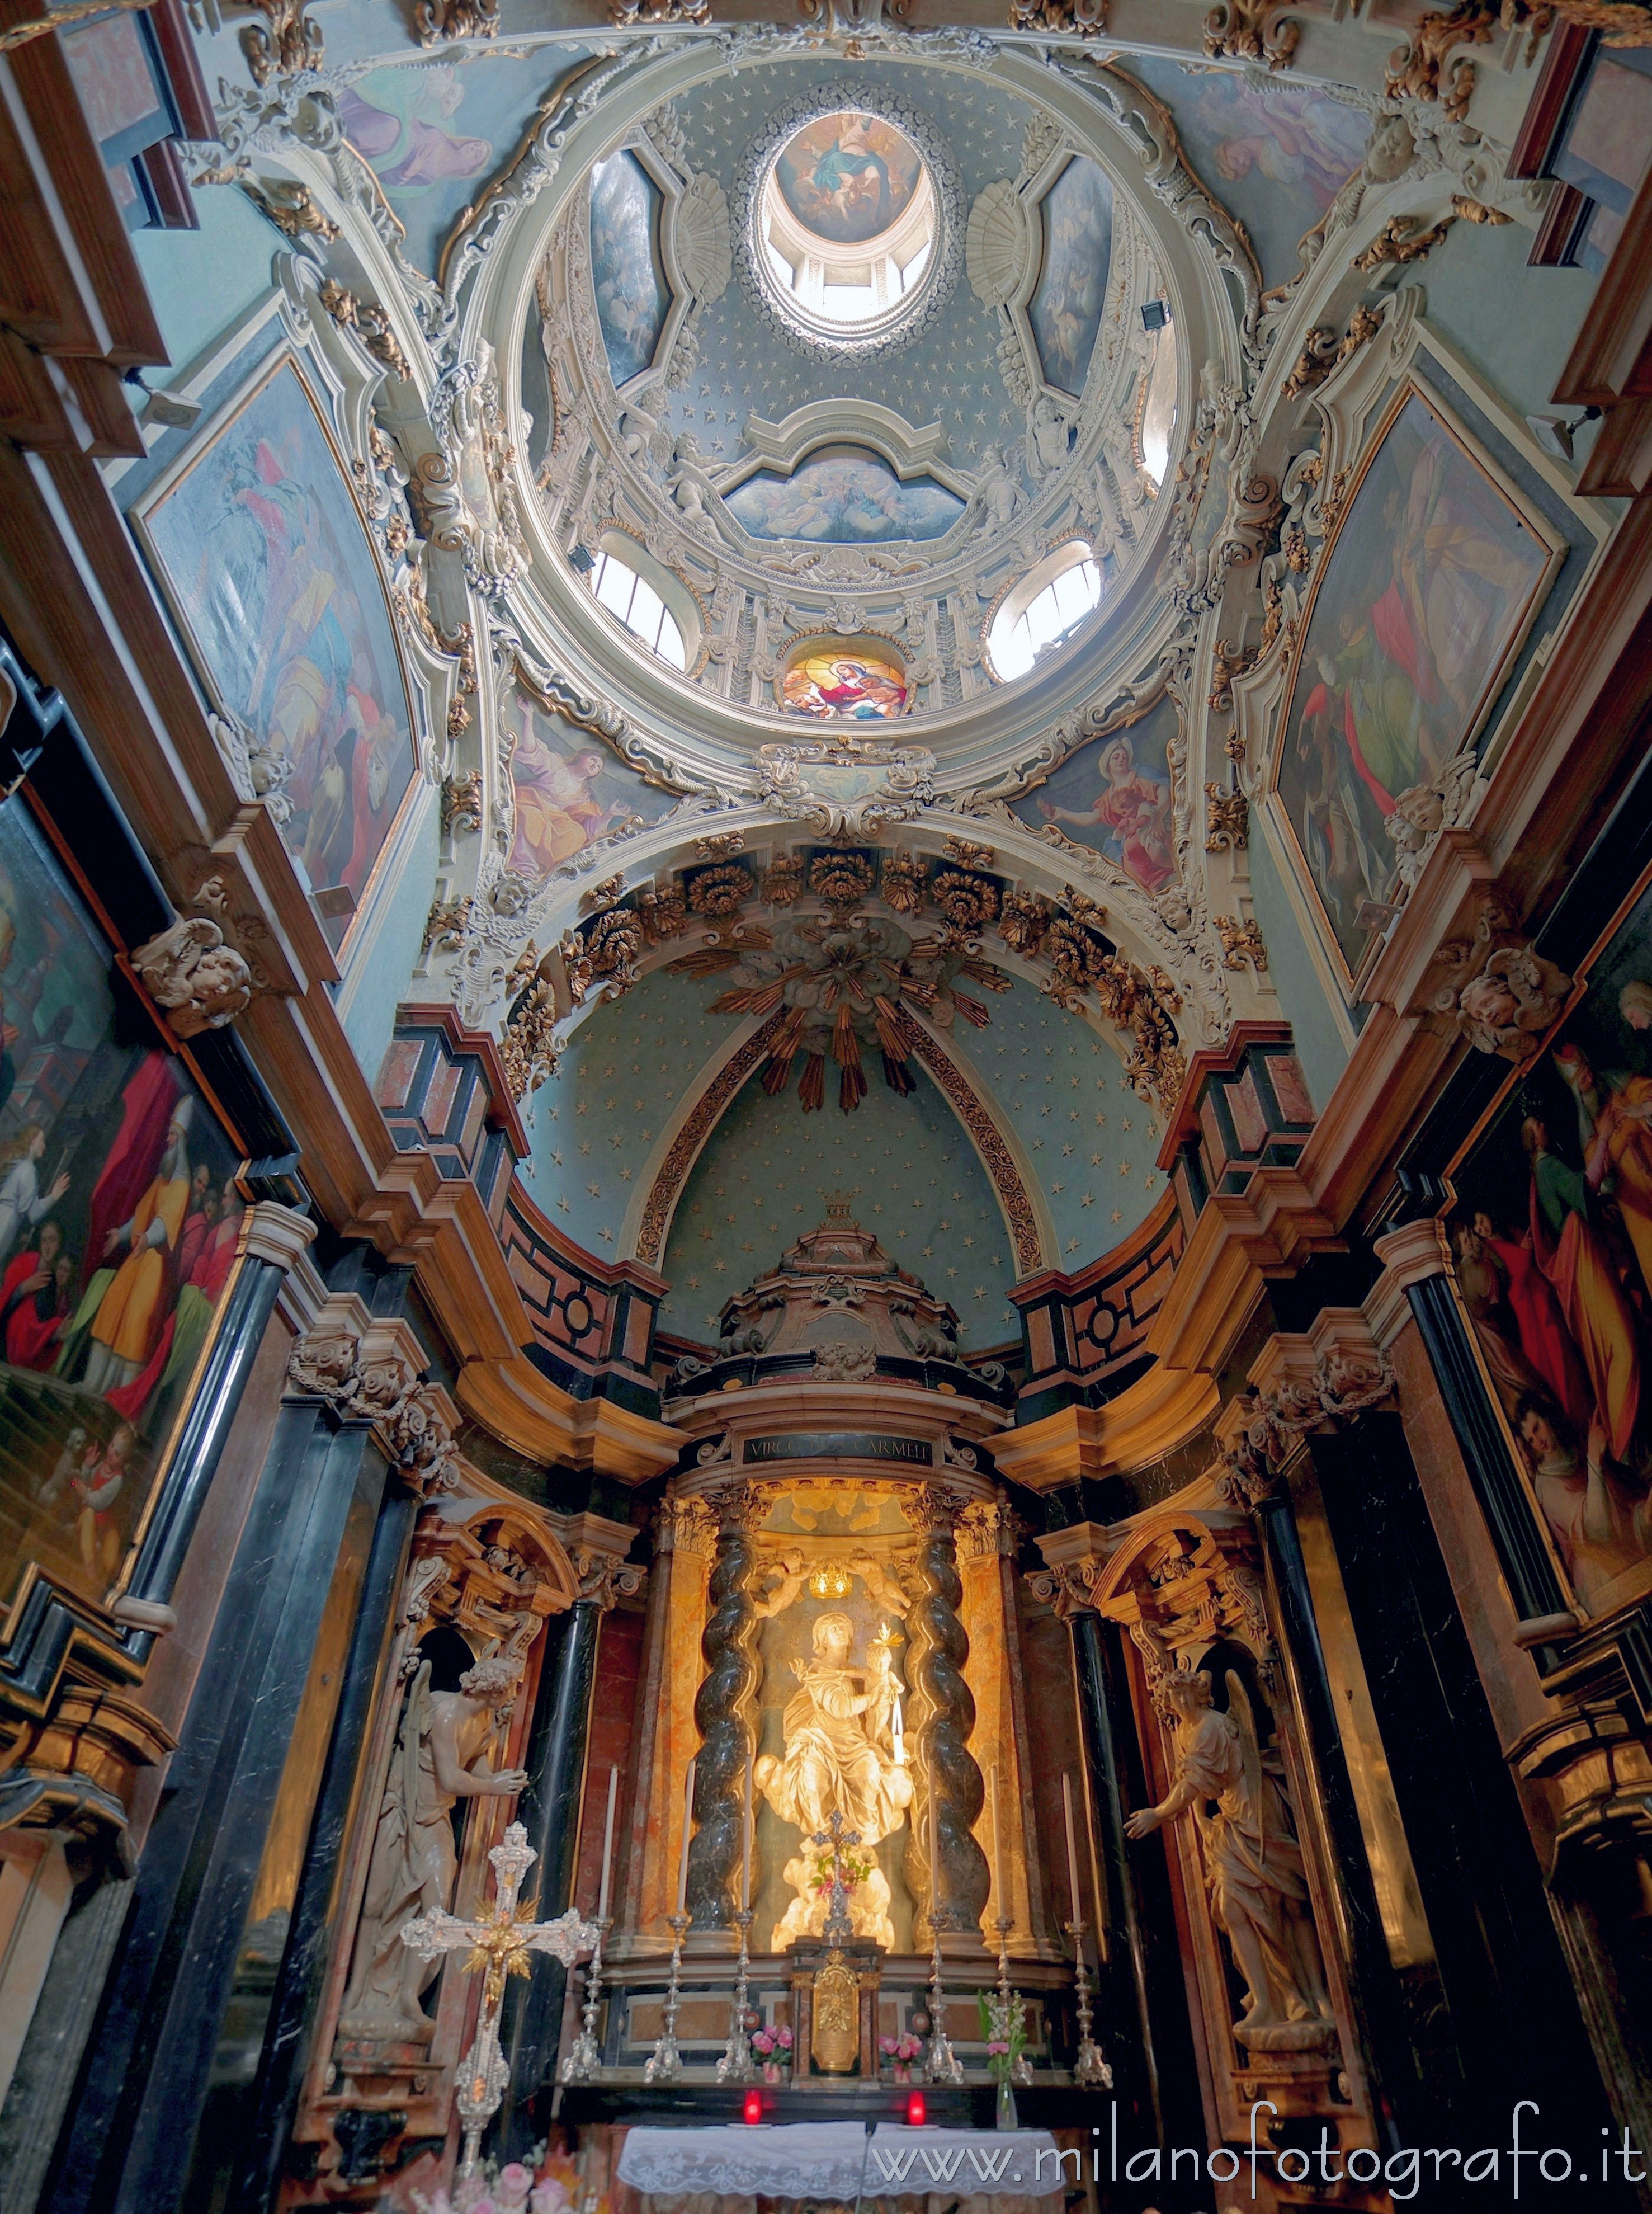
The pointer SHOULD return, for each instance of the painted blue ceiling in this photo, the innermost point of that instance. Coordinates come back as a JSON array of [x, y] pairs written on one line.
[[948, 375], [1087, 1139], [597, 1120], [769, 1169]]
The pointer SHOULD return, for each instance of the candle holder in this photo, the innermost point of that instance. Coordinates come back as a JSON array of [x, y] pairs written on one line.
[[1011, 2006], [1090, 2068], [584, 2060], [737, 2065], [665, 2062], [941, 2065]]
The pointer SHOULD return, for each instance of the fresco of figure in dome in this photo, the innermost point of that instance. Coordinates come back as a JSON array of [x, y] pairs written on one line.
[[627, 277], [569, 793], [1114, 796], [856, 688], [848, 177], [842, 496], [1066, 310]]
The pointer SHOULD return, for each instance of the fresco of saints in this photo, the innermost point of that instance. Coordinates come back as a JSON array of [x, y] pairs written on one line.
[[1129, 814], [829, 687], [557, 813]]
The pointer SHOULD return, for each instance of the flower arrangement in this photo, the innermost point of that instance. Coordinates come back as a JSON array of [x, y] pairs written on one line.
[[773, 2048], [902, 2052], [855, 1868], [1003, 2027]]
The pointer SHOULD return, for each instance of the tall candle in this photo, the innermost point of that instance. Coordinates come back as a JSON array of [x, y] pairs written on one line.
[[935, 1857], [1072, 1849], [745, 1844], [998, 1883], [688, 1824], [608, 1845]]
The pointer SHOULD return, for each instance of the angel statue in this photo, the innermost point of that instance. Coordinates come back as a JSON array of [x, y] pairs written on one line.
[[415, 1859], [1252, 1862], [844, 1754]]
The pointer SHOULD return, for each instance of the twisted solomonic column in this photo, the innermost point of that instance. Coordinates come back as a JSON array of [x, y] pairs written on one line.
[[723, 1710], [937, 1648]]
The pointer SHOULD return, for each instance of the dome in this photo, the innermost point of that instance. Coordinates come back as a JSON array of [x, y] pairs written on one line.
[[845, 364]]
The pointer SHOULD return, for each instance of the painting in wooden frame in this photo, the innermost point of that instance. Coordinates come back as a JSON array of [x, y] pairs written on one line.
[[1422, 599], [267, 566], [1550, 1239], [121, 1217]]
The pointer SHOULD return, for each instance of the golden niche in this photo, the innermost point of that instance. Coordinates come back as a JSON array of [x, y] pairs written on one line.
[[845, 1754]]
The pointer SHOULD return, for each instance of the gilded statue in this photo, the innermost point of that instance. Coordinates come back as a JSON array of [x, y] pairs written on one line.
[[1253, 1863], [844, 1754], [415, 1859]]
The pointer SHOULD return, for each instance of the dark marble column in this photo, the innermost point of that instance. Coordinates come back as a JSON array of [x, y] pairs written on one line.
[[549, 1810], [723, 1711], [274, 2100], [1142, 2020], [126, 2146], [937, 1648]]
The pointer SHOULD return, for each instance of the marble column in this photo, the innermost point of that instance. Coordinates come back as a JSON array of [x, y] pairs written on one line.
[[723, 1711], [953, 1793], [1142, 2019], [1413, 1255], [549, 1810]]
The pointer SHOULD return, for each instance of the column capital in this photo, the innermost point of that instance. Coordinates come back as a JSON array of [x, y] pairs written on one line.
[[933, 1509], [597, 1547], [1075, 1560], [278, 1234], [1414, 1252]]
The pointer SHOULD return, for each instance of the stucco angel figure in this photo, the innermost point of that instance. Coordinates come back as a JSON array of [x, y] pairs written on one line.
[[690, 487], [1253, 1863], [999, 494], [414, 1861], [842, 1755]]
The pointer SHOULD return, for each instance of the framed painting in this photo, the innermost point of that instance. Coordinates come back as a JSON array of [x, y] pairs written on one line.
[[862, 686], [1551, 1239], [1064, 312], [1422, 599], [260, 549], [120, 1221], [628, 277], [570, 792], [1113, 795], [848, 177]]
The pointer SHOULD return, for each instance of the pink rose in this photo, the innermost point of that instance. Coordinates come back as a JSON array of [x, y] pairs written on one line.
[[783, 2039], [889, 2047], [997, 2047]]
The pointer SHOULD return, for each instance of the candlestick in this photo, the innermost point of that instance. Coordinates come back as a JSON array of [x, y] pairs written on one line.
[[1072, 1849], [1008, 2011], [1090, 2068], [745, 1844], [898, 1733], [737, 2065], [608, 1845], [584, 2058], [665, 2062], [688, 1825], [935, 1864]]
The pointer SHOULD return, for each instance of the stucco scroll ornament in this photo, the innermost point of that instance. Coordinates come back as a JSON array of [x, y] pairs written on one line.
[[846, 787], [1498, 991], [198, 981], [1345, 1384]]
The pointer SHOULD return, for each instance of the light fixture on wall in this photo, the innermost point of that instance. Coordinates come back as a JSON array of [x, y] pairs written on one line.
[[831, 1581]]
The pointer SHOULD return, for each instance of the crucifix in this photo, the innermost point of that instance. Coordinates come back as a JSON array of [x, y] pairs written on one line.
[[836, 1840], [504, 1943]]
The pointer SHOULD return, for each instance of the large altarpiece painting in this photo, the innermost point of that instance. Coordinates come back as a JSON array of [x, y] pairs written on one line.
[[1421, 601], [258, 542], [120, 1227], [1551, 1240]]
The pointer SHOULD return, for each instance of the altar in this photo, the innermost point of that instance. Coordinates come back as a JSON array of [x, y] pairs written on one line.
[[733, 2169]]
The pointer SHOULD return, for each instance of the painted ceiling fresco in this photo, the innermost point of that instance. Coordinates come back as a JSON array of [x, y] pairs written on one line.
[[1065, 309], [842, 495], [569, 792], [745, 369], [1276, 155], [848, 177], [627, 274], [1114, 795]]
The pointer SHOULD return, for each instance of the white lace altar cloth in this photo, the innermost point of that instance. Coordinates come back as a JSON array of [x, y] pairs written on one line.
[[836, 2160]]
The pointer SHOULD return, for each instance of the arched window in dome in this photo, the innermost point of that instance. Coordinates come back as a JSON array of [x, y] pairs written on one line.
[[633, 600], [1044, 611]]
